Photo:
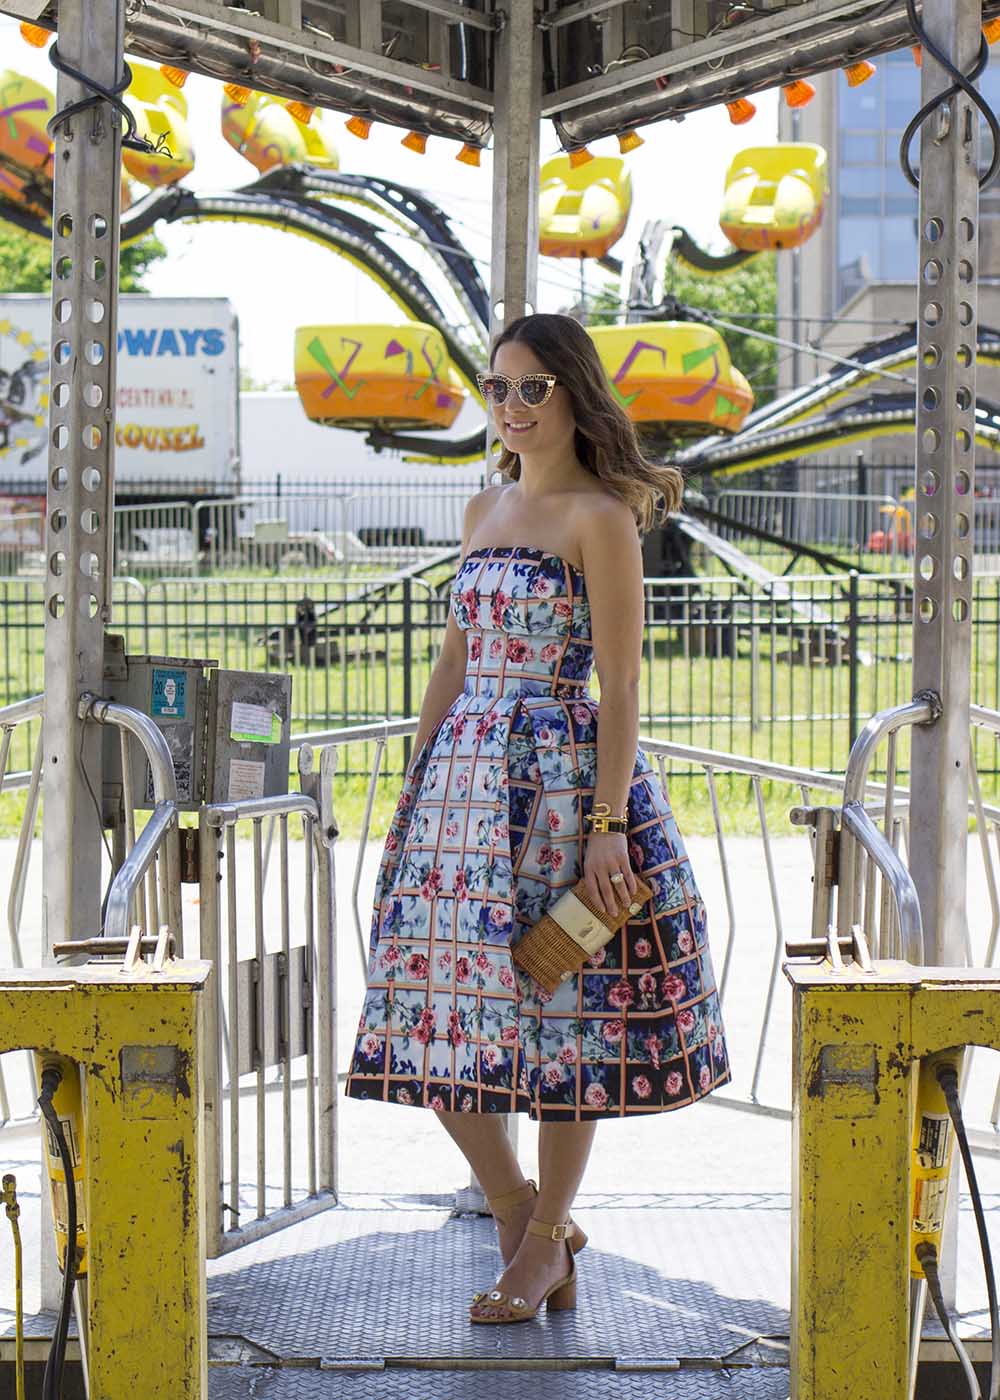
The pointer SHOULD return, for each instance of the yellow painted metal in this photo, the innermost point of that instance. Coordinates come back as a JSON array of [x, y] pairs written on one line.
[[68, 1104], [932, 1146], [137, 1037], [25, 148], [857, 1040]]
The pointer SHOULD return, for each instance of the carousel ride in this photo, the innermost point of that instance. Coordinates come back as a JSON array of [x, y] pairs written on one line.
[[403, 385]]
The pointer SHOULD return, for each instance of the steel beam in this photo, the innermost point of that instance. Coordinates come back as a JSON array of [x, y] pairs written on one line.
[[317, 46], [945, 481], [945, 469], [517, 95], [80, 499]]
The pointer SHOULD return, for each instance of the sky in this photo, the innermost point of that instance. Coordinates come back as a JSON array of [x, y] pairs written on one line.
[[278, 281]]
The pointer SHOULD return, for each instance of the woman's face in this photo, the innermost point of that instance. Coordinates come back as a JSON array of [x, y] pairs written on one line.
[[548, 429]]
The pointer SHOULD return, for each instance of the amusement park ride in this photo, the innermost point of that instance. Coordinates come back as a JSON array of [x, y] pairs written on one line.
[[404, 384], [883, 1014]]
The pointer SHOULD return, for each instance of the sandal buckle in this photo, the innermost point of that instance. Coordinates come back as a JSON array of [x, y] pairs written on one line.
[[559, 1232]]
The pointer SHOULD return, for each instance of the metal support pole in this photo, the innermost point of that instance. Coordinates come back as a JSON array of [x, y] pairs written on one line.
[[945, 470], [80, 491], [517, 97]]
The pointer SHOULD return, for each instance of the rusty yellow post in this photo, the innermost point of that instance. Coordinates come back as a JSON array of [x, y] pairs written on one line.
[[857, 1038], [137, 1036]]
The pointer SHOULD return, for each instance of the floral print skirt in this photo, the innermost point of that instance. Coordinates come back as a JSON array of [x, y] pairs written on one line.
[[487, 834]]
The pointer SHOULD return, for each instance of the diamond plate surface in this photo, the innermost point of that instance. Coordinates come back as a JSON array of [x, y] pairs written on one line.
[[686, 1275], [250, 1383]]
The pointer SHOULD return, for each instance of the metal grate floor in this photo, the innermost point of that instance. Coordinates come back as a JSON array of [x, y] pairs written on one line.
[[252, 1383], [694, 1276]]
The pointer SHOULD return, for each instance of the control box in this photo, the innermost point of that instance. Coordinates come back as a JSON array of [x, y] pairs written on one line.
[[228, 732]]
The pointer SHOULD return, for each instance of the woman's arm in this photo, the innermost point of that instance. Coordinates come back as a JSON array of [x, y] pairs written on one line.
[[612, 558], [448, 676]]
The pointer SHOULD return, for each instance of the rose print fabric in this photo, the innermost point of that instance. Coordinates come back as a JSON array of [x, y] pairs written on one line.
[[487, 834]]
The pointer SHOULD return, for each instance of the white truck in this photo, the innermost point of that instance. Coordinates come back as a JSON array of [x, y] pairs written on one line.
[[177, 398]]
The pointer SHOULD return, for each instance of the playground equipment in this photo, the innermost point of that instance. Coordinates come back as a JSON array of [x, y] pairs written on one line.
[[377, 376], [268, 134], [583, 209], [895, 536], [674, 375], [774, 196], [160, 112]]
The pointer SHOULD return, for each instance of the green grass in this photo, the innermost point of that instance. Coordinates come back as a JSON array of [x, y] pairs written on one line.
[[782, 694]]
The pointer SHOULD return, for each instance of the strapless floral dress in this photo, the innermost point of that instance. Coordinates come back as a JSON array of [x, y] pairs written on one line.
[[487, 833]]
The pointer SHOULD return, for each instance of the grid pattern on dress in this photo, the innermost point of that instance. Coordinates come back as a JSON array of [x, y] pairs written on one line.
[[488, 832]]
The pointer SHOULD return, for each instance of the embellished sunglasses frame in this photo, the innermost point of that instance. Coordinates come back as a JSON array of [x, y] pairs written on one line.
[[549, 380]]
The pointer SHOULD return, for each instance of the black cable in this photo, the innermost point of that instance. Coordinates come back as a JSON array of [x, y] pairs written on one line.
[[927, 1256], [97, 92], [55, 1363], [947, 1077], [963, 82]]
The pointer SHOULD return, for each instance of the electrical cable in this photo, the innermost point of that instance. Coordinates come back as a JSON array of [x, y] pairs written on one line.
[[56, 1361], [927, 1255], [97, 92], [947, 1077], [962, 82]]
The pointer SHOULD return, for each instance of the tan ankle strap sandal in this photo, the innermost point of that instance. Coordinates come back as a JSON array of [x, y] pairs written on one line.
[[496, 1306]]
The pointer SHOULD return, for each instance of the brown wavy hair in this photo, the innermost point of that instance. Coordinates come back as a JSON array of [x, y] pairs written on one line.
[[606, 441]]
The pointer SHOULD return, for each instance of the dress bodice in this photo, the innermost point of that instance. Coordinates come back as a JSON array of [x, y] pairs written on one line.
[[527, 622]]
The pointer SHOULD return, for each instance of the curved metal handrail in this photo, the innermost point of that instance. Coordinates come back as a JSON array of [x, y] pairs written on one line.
[[856, 820], [20, 710], [859, 829], [149, 736], [163, 821], [133, 870]]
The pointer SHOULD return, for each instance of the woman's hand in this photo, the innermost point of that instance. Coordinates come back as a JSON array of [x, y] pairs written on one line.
[[607, 855]]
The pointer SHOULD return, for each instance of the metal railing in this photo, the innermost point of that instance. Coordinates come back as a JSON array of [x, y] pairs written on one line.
[[841, 521], [11, 716], [271, 1023]]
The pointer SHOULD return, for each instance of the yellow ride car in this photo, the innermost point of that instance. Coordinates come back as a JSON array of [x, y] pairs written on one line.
[[774, 196], [394, 377], [674, 375]]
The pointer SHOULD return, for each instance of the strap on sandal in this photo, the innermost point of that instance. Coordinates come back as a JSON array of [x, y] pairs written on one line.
[[527, 1191], [546, 1230]]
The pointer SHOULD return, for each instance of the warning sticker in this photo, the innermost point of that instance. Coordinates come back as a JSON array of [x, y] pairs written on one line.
[[246, 779], [60, 1210], [932, 1143], [72, 1142], [928, 1205]]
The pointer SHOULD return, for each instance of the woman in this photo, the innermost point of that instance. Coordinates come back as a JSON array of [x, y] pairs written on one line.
[[492, 826]]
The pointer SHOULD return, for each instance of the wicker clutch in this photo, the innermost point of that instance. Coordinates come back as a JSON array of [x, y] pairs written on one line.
[[571, 932]]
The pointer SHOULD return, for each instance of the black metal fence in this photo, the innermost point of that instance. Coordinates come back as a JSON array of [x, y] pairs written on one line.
[[788, 672]]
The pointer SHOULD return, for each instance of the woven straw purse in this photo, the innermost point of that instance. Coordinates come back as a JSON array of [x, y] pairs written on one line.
[[571, 932]]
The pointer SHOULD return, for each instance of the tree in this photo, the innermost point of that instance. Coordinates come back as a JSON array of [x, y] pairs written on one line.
[[748, 295], [26, 261]]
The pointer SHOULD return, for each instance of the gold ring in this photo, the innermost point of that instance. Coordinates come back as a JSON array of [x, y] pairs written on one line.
[[617, 879]]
